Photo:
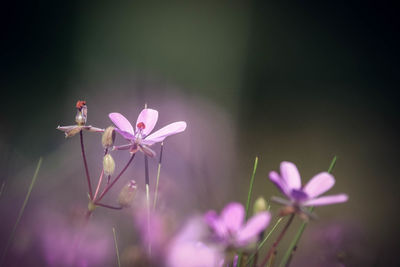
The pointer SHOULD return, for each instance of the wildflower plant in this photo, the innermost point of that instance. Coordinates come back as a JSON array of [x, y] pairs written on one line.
[[233, 237], [139, 140]]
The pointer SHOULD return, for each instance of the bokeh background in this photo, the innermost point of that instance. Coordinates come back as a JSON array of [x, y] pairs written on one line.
[[282, 80]]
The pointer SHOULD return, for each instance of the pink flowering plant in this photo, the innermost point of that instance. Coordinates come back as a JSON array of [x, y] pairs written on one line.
[[236, 236]]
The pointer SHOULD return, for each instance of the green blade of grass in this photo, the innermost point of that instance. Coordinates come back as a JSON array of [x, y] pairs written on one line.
[[21, 211], [158, 176], [248, 200], [116, 247], [293, 244]]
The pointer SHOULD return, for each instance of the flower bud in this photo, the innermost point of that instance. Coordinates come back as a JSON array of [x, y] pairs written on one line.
[[108, 137], [108, 164], [260, 205], [127, 194]]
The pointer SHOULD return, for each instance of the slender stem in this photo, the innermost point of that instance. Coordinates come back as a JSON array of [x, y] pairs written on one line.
[[116, 178], [287, 257], [239, 262], [276, 243], [147, 180], [21, 211], [158, 176], [108, 206], [264, 240], [116, 247], [101, 178], [98, 185], [86, 166]]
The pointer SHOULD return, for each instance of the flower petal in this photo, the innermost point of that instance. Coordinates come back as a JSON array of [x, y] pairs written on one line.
[[125, 135], [168, 130], [277, 180], [70, 130], [232, 216], [319, 184], [149, 117], [212, 219], [121, 122], [321, 201], [90, 128], [253, 227], [290, 174]]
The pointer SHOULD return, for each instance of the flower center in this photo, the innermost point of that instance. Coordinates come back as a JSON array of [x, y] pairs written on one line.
[[299, 195], [141, 126]]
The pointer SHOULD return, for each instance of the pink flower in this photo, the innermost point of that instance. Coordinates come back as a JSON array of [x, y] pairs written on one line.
[[188, 249], [139, 137], [231, 229], [289, 183]]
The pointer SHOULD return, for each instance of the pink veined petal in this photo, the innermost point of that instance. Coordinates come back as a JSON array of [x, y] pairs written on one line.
[[149, 117], [277, 180], [121, 122], [125, 135], [319, 184], [168, 130], [321, 201], [232, 216], [212, 219], [290, 174], [253, 227]]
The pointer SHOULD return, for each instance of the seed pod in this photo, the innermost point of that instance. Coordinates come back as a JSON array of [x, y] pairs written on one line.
[[108, 137], [260, 205], [108, 165], [127, 194]]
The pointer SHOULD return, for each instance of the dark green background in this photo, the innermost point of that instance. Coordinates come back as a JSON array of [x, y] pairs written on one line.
[[303, 81]]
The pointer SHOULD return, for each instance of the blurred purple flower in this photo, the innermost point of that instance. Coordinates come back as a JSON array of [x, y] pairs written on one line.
[[289, 183], [188, 249], [230, 228], [139, 138], [66, 244]]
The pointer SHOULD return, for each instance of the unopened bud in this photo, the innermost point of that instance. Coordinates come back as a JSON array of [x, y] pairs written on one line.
[[108, 164], [260, 205], [127, 194], [80, 118], [108, 137]]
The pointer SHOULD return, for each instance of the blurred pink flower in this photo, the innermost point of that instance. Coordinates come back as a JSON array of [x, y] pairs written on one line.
[[66, 244], [289, 183], [230, 228], [188, 249], [139, 138]]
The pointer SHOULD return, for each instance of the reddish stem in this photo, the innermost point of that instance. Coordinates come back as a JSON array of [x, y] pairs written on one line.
[[98, 185], [276, 243], [86, 166], [116, 179]]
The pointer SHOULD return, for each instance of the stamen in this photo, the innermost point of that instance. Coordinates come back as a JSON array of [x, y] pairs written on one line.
[[141, 125]]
